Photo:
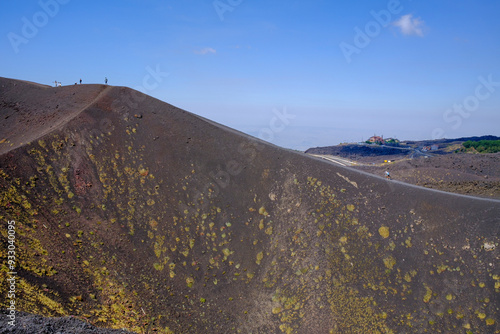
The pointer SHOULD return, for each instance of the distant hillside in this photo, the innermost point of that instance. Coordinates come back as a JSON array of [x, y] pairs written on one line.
[[406, 148], [359, 150], [449, 142], [447, 164]]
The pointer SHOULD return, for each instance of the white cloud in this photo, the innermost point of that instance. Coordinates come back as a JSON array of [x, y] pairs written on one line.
[[205, 51], [410, 25]]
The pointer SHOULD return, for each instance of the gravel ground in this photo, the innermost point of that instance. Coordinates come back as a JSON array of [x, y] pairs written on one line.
[[26, 323], [469, 174]]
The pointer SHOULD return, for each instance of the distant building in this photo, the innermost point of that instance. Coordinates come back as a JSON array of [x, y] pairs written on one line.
[[430, 148], [377, 140]]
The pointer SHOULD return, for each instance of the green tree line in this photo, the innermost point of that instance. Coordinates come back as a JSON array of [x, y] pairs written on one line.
[[483, 146]]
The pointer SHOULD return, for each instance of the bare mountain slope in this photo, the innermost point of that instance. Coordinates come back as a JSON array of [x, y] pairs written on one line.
[[136, 214]]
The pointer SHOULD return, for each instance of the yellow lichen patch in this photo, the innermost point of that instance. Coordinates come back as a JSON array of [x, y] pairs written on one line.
[[269, 230], [389, 262], [260, 256], [490, 322], [352, 310], [153, 224], [408, 242], [226, 252], [286, 329], [116, 300], [442, 268], [428, 294], [158, 249], [261, 224], [37, 301], [190, 282], [263, 211], [350, 207], [384, 232], [276, 310]]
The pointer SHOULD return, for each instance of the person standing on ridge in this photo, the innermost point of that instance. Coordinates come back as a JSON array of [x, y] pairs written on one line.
[[106, 80], [80, 81]]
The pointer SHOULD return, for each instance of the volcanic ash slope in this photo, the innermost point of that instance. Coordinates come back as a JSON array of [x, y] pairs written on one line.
[[135, 214]]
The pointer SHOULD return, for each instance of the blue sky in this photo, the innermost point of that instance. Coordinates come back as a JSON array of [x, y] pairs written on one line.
[[338, 71]]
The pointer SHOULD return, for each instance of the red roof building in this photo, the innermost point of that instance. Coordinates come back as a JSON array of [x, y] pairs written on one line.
[[376, 139]]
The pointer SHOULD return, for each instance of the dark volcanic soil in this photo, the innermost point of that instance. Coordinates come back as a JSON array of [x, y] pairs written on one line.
[[469, 174], [132, 213]]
